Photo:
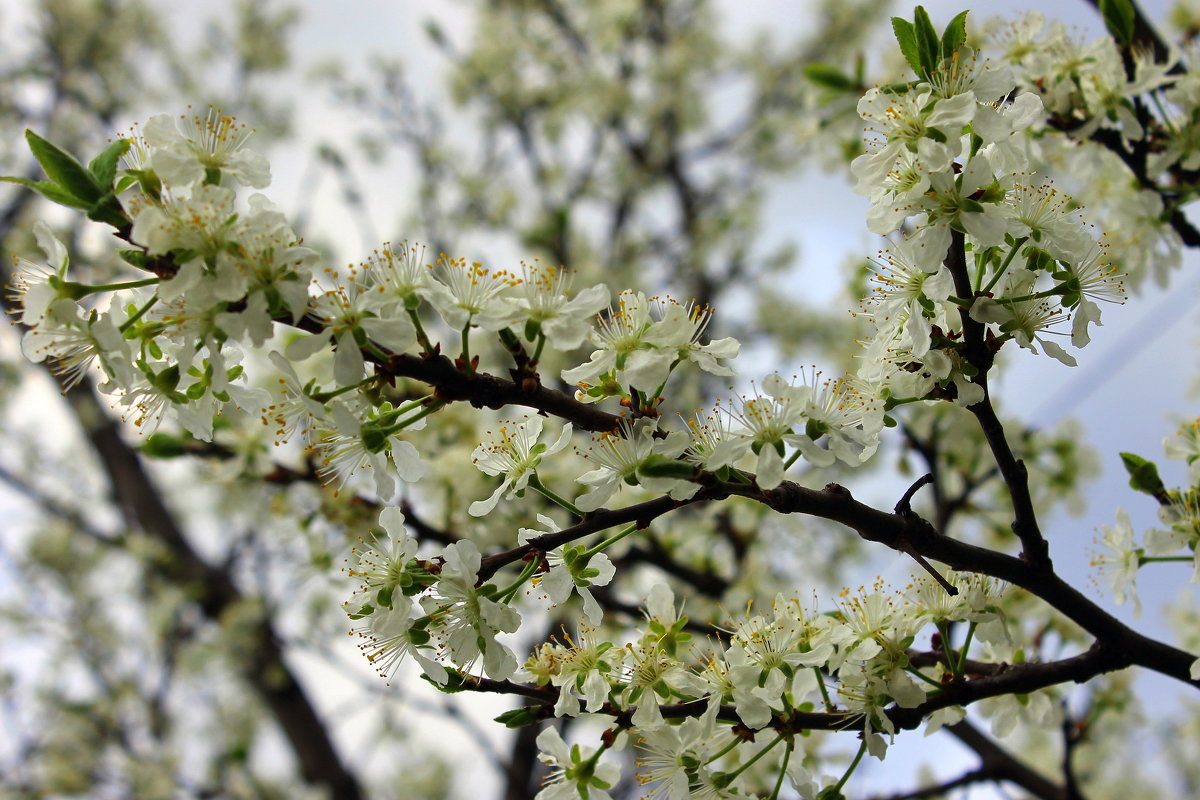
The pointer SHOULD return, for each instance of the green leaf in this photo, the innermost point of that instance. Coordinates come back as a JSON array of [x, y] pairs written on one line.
[[1118, 18], [519, 717], [104, 166], [62, 168], [51, 191], [1143, 475], [906, 36], [928, 44], [829, 76], [955, 35]]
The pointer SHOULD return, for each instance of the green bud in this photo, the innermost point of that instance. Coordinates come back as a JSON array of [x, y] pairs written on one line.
[[518, 717], [659, 466], [1143, 475]]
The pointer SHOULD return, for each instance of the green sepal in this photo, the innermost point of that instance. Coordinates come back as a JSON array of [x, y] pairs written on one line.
[[62, 168], [421, 578], [375, 439], [1143, 475], [104, 166], [973, 206], [365, 611], [384, 597], [167, 380], [150, 182], [519, 717]]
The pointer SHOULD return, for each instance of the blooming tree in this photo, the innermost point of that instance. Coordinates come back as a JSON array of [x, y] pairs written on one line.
[[572, 434]]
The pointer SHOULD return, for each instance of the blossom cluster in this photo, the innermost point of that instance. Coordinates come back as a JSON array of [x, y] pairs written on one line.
[[947, 156], [856, 660], [983, 249]]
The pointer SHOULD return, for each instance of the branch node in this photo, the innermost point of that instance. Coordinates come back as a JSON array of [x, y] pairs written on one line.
[[904, 507]]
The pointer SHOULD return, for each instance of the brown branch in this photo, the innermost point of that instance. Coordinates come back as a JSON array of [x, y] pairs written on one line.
[[835, 503], [641, 513], [937, 657], [214, 591], [977, 775], [1002, 765], [979, 353], [1015, 679], [1144, 35]]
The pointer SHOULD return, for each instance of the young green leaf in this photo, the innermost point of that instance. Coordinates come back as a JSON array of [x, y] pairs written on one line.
[[1118, 18], [928, 43], [1143, 475], [453, 685], [51, 191], [104, 166], [62, 168], [906, 36], [955, 35], [518, 717]]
